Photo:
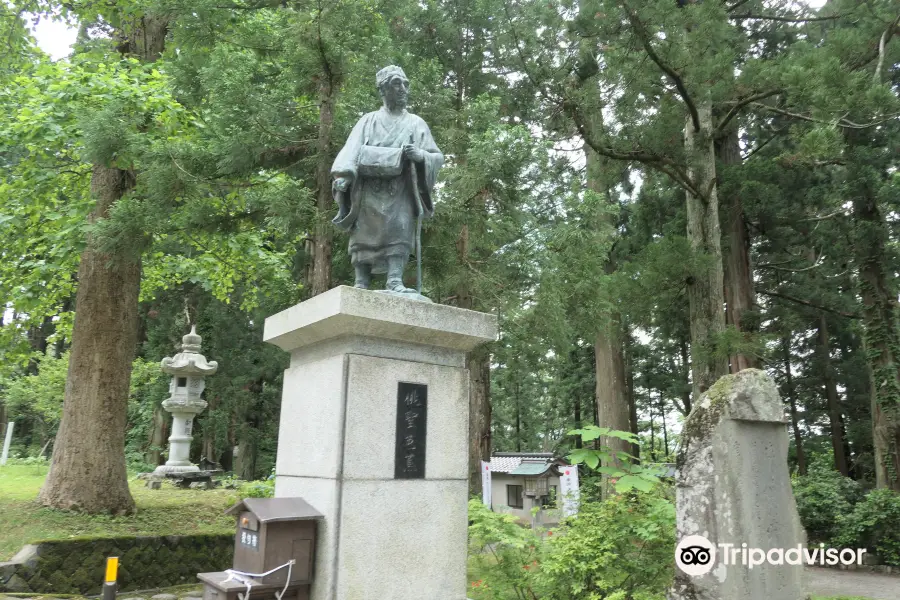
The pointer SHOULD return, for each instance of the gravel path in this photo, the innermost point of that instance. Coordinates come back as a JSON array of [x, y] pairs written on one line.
[[834, 582]]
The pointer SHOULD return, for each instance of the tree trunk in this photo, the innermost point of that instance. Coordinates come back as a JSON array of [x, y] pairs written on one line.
[[739, 297], [245, 464], [612, 402], [632, 400], [576, 401], [706, 285], [479, 364], [686, 366], [37, 338], [158, 436], [609, 358], [662, 414], [3, 422], [789, 391], [882, 329], [87, 471], [319, 274], [835, 414], [208, 448]]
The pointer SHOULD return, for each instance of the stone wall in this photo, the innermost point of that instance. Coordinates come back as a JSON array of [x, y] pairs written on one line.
[[77, 566]]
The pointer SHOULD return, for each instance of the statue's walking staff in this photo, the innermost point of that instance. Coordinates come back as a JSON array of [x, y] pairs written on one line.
[[420, 209]]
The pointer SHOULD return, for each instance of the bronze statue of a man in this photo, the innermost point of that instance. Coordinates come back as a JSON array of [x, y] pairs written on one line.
[[384, 177]]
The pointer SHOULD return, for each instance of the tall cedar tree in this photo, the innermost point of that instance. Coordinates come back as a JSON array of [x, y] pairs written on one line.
[[87, 471]]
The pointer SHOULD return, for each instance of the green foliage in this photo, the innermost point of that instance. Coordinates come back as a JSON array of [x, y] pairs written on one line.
[[505, 554], [36, 401], [258, 489], [618, 466], [872, 524], [823, 497], [148, 389], [617, 549], [225, 137]]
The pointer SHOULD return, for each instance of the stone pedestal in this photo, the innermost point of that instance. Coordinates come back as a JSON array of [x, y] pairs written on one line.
[[373, 434], [180, 441]]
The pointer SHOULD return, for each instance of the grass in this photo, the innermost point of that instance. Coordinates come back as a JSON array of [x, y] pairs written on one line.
[[168, 511]]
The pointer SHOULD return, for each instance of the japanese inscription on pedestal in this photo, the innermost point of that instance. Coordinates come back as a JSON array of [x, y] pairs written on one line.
[[412, 410]]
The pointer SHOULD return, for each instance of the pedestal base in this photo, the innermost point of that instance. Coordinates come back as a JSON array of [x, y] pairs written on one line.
[[354, 355], [164, 470]]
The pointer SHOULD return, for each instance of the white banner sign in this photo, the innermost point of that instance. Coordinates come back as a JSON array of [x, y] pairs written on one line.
[[568, 489], [486, 483]]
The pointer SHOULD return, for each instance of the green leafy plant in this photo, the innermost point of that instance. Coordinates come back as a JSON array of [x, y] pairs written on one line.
[[823, 496], [263, 488], [258, 489], [873, 525], [618, 549], [504, 556], [624, 474]]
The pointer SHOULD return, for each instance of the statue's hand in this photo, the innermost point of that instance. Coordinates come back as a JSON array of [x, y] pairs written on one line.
[[341, 184], [414, 154]]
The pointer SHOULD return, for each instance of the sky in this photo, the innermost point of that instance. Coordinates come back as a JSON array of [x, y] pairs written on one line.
[[56, 38]]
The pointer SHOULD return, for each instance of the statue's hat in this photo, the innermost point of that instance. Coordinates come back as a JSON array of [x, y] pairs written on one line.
[[386, 73]]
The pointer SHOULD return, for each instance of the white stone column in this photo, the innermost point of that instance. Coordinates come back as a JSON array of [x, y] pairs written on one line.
[[180, 443], [355, 356]]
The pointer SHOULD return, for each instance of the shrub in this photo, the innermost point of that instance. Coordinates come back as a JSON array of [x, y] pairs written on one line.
[[618, 549], [504, 556], [874, 524], [264, 488], [258, 489], [823, 495]]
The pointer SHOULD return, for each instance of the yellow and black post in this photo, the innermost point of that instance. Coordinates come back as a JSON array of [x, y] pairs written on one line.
[[109, 582]]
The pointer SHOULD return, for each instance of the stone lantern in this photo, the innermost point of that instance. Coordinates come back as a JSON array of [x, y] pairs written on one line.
[[188, 369]]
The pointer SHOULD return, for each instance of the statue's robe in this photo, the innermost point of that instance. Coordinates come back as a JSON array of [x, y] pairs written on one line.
[[381, 214]]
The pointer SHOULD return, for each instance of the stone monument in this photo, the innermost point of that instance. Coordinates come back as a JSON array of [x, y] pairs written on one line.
[[188, 369], [373, 434], [733, 489], [374, 413], [383, 181]]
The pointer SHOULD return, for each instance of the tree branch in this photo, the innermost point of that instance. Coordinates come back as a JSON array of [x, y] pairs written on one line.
[[661, 163], [807, 303], [517, 43], [772, 267], [784, 19], [762, 145], [741, 103], [881, 45], [890, 31], [644, 37], [822, 218], [842, 122]]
